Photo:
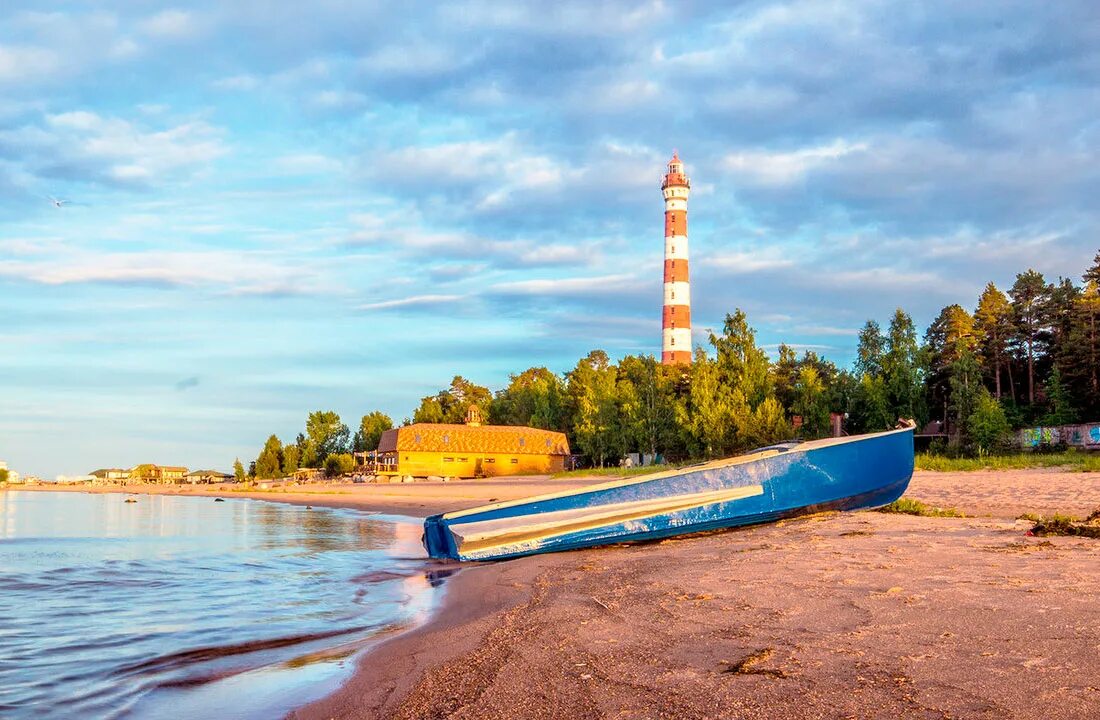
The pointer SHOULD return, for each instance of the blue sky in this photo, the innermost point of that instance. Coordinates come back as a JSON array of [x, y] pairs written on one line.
[[281, 207]]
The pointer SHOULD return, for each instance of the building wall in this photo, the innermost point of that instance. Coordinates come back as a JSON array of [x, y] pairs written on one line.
[[470, 465]]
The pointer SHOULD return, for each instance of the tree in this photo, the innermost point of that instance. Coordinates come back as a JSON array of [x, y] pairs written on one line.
[[452, 404], [4, 474], [591, 389], [901, 369], [993, 328], [811, 403], [710, 415], [646, 395], [536, 398], [1060, 408], [871, 349], [370, 431], [1082, 363], [987, 425], [238, 470], [339, 464], [325, 435], [269, 464], [743, 366], [949, 336], [1030, 295], [965, 381], [870, 406], [291, 455]]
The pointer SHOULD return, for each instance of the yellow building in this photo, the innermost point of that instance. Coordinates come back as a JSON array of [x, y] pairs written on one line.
[[471, 450]]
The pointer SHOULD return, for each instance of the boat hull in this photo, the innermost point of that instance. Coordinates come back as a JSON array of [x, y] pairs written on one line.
[[771, 484]]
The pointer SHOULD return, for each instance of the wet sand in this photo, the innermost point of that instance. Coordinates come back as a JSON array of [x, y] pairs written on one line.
[[860, 615]]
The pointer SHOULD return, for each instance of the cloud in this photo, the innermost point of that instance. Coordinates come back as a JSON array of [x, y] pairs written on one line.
[[784, 168], [422, 302], [85, 146], [170, 25]]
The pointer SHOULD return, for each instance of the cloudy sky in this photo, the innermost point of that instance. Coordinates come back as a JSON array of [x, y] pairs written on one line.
[[279, 207]]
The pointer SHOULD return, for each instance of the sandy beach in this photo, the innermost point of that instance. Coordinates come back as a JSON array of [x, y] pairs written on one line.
[[853, 615]]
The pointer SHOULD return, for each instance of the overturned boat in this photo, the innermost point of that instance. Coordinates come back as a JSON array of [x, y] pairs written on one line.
[[779, 481]]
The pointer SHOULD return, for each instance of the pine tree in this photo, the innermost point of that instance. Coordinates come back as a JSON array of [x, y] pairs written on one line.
[[993, 327], [1030, 297]]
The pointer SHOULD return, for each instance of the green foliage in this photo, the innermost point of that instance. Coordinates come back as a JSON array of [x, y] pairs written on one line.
[[987, 425], [325, 435], [339, 464], [1061, 410], [614, 471], [591, 389], [4, 475], [907, 506], [902, 371], [238, 470], [452, 404], [535, 398], [1071, 460], [370, 431], [812, 403], [291, 459], [269, 464]]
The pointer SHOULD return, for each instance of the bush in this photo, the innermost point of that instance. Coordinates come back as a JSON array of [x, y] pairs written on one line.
[[339, 464], [987, 425]]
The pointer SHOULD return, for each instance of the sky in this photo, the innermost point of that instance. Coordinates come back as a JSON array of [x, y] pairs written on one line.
[[282, 207]]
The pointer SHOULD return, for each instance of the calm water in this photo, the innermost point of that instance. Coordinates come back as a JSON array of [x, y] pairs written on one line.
[[182, 607]]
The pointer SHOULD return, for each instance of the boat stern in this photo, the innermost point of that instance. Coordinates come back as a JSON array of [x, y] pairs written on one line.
[[437, 539]]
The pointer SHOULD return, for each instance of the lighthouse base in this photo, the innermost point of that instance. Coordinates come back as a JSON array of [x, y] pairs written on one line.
[[675, 357]]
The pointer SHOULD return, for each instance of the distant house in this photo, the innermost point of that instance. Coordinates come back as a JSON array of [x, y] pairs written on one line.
[[150, 473], [111, 475], [470, 450], [206, 476]]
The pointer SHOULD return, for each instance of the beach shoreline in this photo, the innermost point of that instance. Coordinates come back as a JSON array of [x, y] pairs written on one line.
[[823, 616], [833, 615]]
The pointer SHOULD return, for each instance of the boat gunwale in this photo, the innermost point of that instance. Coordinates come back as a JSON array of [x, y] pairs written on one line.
[[709, 465]]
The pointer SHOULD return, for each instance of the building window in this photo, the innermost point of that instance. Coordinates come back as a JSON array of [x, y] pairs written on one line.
[[673, 340], [515, 461], [464, 459], [522, 442], [446, 437], [490, 460], [447, 459], [417, 438]]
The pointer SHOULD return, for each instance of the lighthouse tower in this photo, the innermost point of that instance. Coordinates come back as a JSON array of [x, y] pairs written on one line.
[[676, 318]]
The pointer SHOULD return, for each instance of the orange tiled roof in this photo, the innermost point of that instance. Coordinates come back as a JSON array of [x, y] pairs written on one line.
[[431, 437]]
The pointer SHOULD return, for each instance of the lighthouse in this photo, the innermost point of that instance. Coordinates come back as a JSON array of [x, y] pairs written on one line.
[[676, 317]]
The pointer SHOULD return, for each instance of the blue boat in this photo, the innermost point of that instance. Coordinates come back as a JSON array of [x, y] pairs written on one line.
[[772, 483]]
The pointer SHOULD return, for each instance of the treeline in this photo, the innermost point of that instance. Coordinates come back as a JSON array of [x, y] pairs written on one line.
[[1022, 358], [327, 443]]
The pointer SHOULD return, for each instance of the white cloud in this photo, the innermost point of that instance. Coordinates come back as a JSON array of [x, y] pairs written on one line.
[[26, 64], [170, 25], [784, 168], [569, 287], [415, 301], [95, 147]]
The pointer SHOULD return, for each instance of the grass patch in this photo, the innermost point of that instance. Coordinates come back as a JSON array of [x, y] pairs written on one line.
[[906, 506], [1074, 460], [1064, 525], [613, 471]]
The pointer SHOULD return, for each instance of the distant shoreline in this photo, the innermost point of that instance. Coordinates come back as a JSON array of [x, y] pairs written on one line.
[[413, 499]]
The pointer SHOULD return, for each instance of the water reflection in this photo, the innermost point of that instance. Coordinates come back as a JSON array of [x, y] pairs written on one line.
[[137, 610]]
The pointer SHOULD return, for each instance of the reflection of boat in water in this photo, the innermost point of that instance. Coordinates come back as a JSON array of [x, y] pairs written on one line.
[[768, 484]]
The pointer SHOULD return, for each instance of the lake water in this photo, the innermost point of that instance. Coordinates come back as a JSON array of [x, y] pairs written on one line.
[[183, 607]]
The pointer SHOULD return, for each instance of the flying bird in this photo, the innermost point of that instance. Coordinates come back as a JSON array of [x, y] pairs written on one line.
[[58, 203]]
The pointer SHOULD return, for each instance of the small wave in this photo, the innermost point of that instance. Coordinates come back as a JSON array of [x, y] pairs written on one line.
[[185, 658]]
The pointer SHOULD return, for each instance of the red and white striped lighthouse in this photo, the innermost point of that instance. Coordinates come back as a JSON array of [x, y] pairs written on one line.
[[676, 318]]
